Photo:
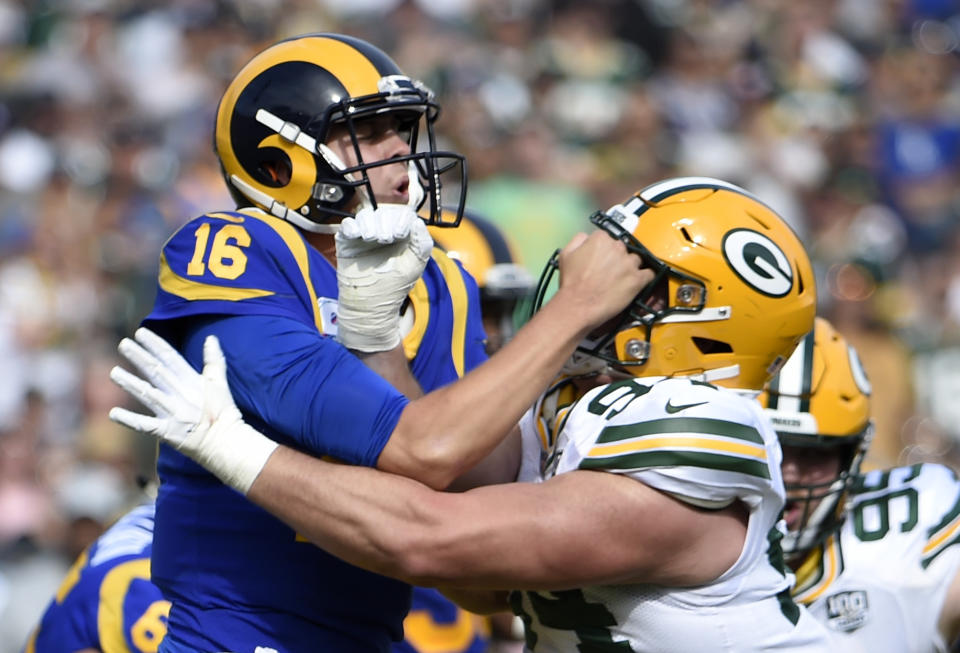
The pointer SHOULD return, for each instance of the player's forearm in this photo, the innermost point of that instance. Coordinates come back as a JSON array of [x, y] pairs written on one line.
[[492, 538], [400, 528], [446, 432], [500, 466], [513, 536], [486, 602], [392, 365], [366, 517]]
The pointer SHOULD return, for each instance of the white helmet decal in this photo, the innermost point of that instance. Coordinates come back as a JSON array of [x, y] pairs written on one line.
[[758, 261], [859, 374]]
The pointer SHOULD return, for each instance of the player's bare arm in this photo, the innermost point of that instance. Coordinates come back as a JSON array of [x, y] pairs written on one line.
[[577, 529], [446, 432]]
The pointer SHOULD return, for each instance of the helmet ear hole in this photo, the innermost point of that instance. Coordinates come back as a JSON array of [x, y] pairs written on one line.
[[709, 346], [275, 171]]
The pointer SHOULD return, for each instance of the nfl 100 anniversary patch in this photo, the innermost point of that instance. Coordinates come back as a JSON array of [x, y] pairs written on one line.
[[847, 611]]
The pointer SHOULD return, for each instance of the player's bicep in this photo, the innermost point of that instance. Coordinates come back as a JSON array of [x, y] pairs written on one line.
[[640, 535]]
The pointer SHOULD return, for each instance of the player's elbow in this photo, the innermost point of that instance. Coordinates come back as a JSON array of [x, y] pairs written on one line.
[[440, 464], [430, 566], [416, 450], [416, 566]]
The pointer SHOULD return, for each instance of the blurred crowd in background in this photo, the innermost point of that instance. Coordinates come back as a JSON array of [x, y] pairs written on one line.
[[844, 115]]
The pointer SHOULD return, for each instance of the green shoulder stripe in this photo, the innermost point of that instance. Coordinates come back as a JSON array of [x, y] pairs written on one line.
[[942, 536], [695, 425], [650, 459]]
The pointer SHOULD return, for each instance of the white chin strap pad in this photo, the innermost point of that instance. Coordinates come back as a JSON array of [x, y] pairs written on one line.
[[415, 188]]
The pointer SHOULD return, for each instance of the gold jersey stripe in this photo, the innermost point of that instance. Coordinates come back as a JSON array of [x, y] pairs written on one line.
[[420, 305], [113, 590], [191, 290], [31, 646], [298, 247], [647, 443], [429, 636], [174, 284], [830, 573], [420, 300], [72, 577], [458, 299], [942, 536], [239, 219]]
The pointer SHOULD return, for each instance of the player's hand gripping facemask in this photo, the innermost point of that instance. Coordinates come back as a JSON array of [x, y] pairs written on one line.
[[380, 255]]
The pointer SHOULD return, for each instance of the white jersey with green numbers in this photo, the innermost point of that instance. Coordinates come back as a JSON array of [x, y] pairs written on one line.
[[707, 446], [881, 581]]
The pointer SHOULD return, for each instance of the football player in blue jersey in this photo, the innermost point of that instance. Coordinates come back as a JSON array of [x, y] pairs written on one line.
[[650, 522], [107, 603], [329, 150]]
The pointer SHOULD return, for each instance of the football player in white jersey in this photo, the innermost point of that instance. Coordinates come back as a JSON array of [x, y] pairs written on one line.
[[650, 524], [876, 555]]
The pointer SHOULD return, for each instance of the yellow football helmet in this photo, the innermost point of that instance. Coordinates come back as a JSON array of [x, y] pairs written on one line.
[[485, 252], [820, 400], [487, 255], [278, 112], [733, 292]]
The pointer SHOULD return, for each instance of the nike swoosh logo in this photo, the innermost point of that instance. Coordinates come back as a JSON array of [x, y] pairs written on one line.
[[671, 408]]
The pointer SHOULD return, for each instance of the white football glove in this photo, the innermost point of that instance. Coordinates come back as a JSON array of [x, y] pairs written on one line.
[[380, 255], [192, 412]]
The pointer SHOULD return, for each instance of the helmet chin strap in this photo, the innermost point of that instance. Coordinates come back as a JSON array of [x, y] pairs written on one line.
[[335, 162], [805, 537], [717, 373], [414, 187], [583, 364]]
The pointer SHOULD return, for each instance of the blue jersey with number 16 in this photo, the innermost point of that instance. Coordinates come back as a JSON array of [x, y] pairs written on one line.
[[237, 577]]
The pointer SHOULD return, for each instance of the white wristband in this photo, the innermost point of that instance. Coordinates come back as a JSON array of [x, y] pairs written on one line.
[[235, 453], [194, 413]]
